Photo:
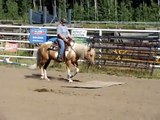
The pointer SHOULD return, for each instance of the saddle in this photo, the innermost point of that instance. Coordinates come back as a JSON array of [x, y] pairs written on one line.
[[55, 46]]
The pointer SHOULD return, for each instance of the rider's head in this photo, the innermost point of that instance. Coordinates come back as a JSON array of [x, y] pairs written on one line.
[[63, 21]]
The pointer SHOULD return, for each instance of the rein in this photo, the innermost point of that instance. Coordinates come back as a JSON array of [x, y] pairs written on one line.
[[72, 47]]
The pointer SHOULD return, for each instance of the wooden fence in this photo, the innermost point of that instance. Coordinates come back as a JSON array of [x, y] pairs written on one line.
[[131, 52]]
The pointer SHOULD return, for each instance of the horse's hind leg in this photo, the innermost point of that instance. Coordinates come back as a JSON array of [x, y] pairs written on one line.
[[68, 66], [41, 66], [45, 70], [42, 72]]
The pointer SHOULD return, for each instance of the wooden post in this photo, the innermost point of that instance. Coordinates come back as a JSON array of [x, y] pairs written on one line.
[[45, 15], [30, 16]]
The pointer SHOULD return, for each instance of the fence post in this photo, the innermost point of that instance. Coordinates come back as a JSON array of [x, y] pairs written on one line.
[[69, 16], [100, 49], [45, 15], [30, 16], [59, 14]]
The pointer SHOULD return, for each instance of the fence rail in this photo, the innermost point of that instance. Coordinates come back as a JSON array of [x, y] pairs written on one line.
[[130, 48]]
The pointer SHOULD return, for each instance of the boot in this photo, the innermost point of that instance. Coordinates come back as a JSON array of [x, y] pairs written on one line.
[[60, 59]]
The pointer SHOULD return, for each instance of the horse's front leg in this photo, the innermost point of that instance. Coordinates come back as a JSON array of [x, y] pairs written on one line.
[[42, 73], [69, 75], [45, 75], [76, 71], [75, 64]]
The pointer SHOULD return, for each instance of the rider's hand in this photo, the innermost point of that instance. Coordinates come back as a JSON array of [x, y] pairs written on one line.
[[65, 40]]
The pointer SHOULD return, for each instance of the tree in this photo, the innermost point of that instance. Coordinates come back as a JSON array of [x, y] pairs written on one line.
[[63, 7], [154, 12], [145, 12], [137, 15], [125, 11], [103, 12], [12, 11], [78, 12], [1, 9], [112, 7]]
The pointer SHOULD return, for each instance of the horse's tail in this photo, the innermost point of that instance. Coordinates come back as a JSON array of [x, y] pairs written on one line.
[[39, 58]]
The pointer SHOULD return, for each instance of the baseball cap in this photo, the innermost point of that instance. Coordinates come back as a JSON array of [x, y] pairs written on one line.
[[63, 20]]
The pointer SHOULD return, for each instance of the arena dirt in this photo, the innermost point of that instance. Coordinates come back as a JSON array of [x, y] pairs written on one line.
[[24, 96]]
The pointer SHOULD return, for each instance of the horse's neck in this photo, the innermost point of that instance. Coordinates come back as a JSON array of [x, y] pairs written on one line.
[[79, 49]]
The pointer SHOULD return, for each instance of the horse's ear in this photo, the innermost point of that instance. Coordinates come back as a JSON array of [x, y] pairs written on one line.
[[89, 47]]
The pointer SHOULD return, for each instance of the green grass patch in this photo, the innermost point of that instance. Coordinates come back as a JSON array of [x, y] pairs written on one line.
[[119, 26], [117, 71]]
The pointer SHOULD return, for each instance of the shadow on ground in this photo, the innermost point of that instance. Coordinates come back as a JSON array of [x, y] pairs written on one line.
[[38, 77]]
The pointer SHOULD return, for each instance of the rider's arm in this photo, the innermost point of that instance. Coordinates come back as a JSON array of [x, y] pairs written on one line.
[[61, 37], [69, 36]]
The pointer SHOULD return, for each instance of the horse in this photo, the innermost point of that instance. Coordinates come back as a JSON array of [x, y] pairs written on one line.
[[75, 52]]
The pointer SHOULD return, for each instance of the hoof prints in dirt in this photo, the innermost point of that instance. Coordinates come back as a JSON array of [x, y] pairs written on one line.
[[43, 90], [72, 93]]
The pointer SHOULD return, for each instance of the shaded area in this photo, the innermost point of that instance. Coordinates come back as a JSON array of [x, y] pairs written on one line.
[[38, 77]]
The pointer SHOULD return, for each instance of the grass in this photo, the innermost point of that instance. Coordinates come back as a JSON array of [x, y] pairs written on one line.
[[128, 72], [119, 26]]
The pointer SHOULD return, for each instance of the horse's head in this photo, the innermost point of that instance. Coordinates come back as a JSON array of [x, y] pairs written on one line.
[[90, 56]]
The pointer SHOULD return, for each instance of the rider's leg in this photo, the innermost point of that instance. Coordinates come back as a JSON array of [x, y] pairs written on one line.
[[62, 47], [52, 41]]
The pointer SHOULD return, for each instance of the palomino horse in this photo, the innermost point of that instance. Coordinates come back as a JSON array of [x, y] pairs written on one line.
[[75, 52]]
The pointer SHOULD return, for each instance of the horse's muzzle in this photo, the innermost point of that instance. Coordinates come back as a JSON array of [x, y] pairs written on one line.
[[91, 62]]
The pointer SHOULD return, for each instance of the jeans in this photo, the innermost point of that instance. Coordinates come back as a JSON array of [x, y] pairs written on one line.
[[53, 39], [62, 47]]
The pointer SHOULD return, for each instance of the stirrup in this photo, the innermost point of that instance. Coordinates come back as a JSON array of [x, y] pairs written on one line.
[[52, 48]]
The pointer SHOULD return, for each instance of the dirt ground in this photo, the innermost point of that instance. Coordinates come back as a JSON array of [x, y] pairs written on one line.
[[138, 99]]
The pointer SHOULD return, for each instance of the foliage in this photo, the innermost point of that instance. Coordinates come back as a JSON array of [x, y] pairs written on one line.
[[78, 13], [154, 14], [12, 11], [62, 7], [125, 11], [103, 14], [104, 10]]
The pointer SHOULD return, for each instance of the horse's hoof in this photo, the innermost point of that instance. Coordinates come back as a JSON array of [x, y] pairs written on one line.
[[47, 79], [42, 77], [68, 77], [70, 81]]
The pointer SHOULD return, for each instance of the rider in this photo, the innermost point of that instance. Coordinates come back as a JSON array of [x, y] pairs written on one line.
[[63, 36]]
